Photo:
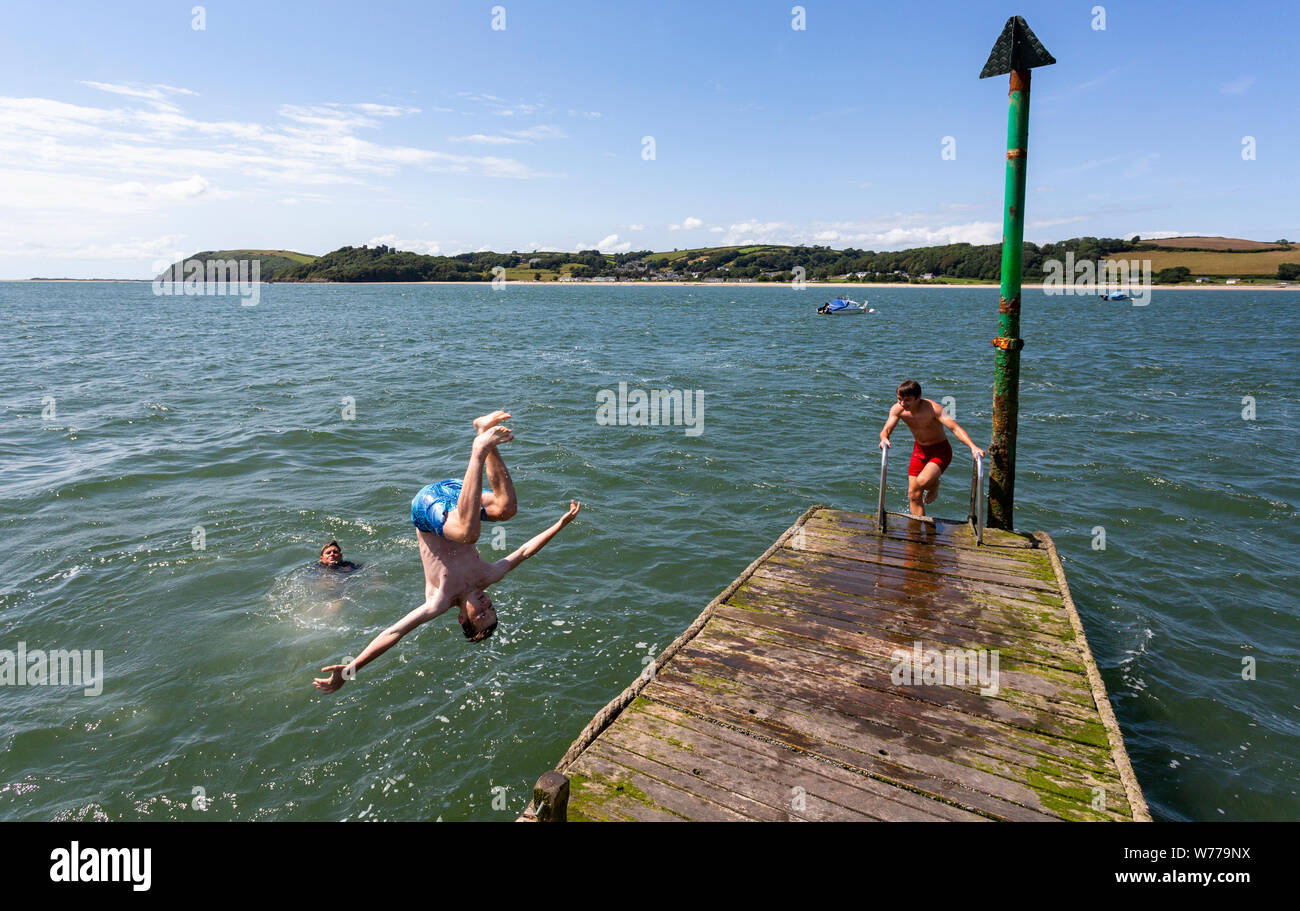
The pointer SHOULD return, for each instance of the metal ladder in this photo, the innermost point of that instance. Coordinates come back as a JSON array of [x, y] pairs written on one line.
[[975, 517]]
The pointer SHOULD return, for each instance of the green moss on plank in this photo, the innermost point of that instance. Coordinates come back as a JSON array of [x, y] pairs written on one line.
[[716, 684], [599, 792], [1066, 801]]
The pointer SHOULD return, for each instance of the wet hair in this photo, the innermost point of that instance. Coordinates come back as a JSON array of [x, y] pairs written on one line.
[[474, 635], [332, 544], [909, 388]]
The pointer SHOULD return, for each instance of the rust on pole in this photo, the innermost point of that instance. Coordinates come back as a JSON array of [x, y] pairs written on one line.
[[1016, 51]]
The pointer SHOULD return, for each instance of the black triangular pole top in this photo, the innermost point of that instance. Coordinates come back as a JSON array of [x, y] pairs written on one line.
[[1017, 48]]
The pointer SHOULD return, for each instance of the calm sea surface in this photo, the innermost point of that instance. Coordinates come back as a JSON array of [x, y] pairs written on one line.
[[136, 427]]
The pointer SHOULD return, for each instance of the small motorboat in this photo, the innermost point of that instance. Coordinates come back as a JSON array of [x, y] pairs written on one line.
[[842, 306], [1115, 296]]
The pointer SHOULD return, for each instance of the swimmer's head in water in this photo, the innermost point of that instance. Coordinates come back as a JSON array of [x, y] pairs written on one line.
[[331, 554], [478, 618]]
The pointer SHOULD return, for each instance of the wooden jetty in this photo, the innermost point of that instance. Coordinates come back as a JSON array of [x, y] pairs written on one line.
[[836, 679]]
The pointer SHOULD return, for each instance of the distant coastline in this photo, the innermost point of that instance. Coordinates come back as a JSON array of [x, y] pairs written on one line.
[[681, 284]]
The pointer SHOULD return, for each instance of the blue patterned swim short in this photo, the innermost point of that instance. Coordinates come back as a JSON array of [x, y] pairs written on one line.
[[431, 505]]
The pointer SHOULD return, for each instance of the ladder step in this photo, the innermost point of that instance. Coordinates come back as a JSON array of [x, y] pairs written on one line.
[[910, 517]]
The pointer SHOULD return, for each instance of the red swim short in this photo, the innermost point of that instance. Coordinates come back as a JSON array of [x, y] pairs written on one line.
[[940, 452]]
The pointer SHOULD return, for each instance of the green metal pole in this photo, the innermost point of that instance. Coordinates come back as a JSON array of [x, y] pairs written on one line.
[[1006, 381]]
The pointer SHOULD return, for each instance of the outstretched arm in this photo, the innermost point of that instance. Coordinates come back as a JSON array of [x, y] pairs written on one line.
[[890, 424], [498, 570], [341, 673], [952, 425]]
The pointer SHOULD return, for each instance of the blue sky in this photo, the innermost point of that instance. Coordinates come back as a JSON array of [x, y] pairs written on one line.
[[131, 137]]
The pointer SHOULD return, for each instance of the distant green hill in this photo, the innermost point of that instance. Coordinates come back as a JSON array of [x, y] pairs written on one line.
[[272, 263], [949, 263]]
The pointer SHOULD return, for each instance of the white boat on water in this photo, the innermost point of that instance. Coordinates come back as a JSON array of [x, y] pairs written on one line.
[[842, 306]]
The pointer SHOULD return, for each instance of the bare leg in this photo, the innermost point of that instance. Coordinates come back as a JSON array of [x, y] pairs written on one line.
[[499, 503], [915, 501], [463, 526], [923, 488]]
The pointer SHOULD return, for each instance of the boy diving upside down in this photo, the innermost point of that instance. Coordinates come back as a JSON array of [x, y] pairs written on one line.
[[931, 452], [447, 517]]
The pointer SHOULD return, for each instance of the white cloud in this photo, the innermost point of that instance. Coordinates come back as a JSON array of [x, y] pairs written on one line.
[[179, 189], [75, 179], [607, 244], [488, 140], [1053, 222], [313, 144], [515, 137], [54, 195], [848, 234], [541, 131], [1142, 165], [167, 247], [636, 227], [1153, 235], [1236, 86], [155, 95], [689, 224], [387, 110], [152, 92], [500, 106], [427, 247]]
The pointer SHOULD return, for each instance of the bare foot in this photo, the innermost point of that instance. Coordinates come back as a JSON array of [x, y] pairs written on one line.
[[489, 420], [493, 436]]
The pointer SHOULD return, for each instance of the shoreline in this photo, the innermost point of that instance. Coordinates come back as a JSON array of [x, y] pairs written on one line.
[[680, 284]]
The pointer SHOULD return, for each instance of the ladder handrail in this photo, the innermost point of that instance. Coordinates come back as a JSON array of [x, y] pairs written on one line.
[[977, 498], [884, 460]]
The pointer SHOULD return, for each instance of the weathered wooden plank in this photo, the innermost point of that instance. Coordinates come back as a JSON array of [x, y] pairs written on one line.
[[1010, 547], [943, 532], [771, 684], [1044, 719], [937, 722], [1019, 558], [977, 567], [762, 798], [593, 797], [1019, 670], [888, 585], [889, 759], [619, 744], [779, 763], [847, 612], [858, 710], [863, 653], [653, 792], [813, 735], [780, 702], [877, 671], [920, 559], [968, 611], [882, 579]]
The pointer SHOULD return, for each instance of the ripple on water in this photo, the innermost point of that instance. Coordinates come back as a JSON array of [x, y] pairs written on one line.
[[234, 424]]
